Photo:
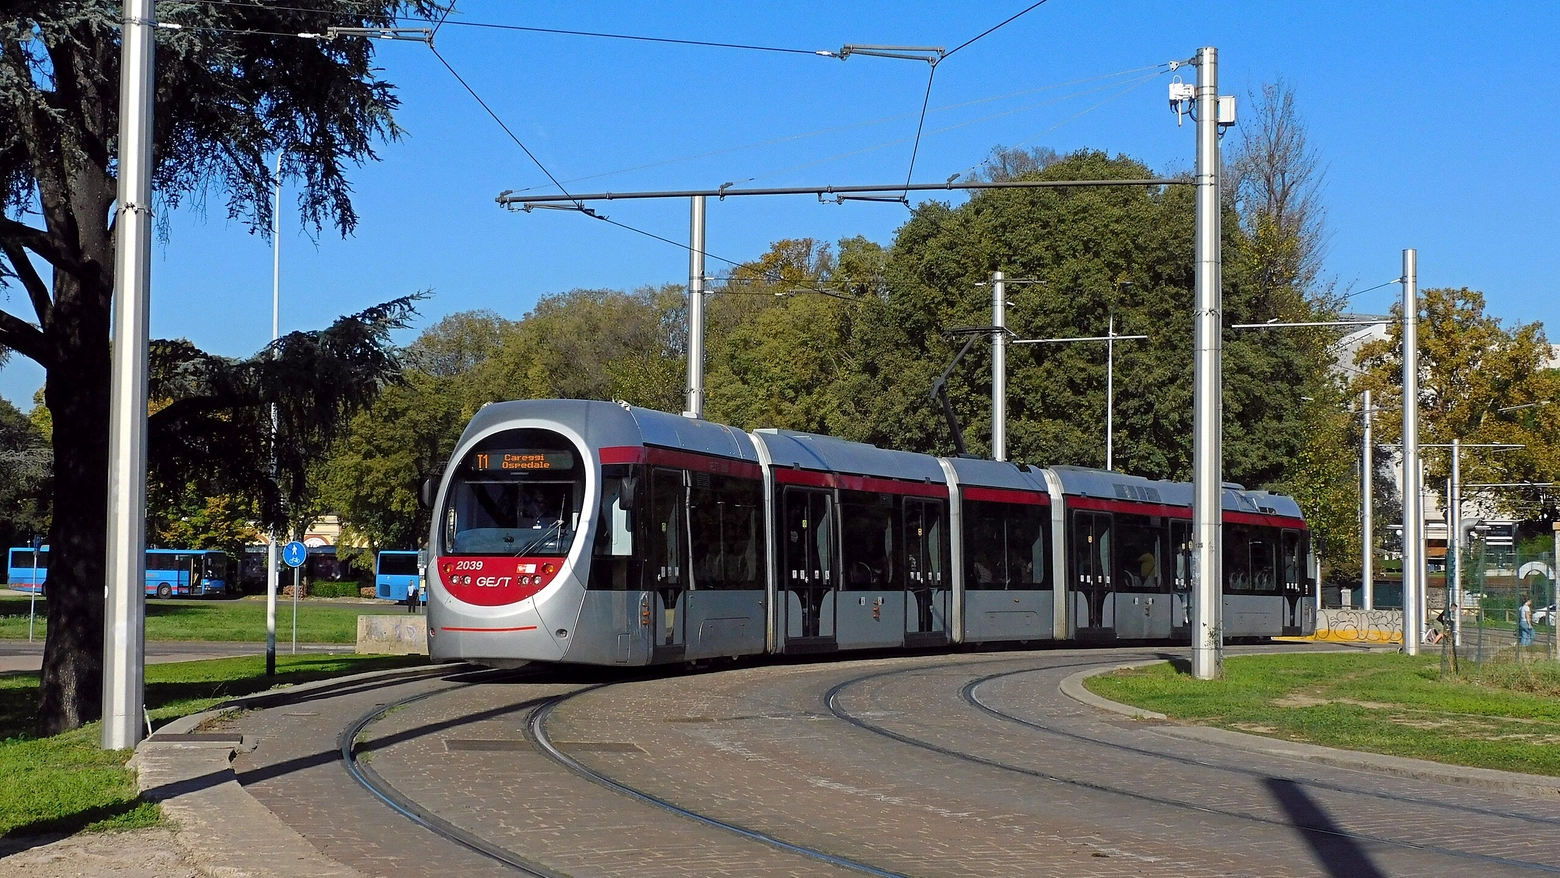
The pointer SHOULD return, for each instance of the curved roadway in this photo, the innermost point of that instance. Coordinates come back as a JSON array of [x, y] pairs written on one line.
[[965, 764]]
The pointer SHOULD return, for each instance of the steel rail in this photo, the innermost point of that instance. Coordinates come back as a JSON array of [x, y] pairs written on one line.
[[538, 731], [370, 780], [831, 700], [970, 697]]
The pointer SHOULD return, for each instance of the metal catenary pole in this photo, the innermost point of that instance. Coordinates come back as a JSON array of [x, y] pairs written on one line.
[[32, 602], [998, 366], [1110, 393], [273, 577], [1413, 549], [1454, 561], [124, 633], [1207, 450], [1367, 513], [695, 404]]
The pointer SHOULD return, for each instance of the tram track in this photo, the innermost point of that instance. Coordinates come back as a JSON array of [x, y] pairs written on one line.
[[538, 732], [408, 808], [968, 693], [831, 700]]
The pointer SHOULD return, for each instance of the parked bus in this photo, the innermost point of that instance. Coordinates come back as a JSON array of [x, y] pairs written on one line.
[[394, 572], [169, 572], [20, 571], [186, 572]]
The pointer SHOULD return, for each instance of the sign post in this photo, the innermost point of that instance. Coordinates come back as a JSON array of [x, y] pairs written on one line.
[[294, 554], [32, 605]]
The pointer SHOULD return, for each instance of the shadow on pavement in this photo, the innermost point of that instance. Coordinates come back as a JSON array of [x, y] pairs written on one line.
[[1338, 853]]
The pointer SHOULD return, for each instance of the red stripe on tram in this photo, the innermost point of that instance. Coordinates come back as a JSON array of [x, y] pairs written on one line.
[[521, 628]]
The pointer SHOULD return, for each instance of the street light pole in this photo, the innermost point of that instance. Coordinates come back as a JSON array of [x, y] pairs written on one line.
[[1454, 518], [1413, 547], [273, 577], [124, 619], [1207, 420]]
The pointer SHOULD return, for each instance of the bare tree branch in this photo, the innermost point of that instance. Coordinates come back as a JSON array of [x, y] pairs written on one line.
[[37, 290], [25, 339]]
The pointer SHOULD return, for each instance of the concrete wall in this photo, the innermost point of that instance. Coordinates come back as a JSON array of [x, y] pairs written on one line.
[[393, 634], [1359, 626]]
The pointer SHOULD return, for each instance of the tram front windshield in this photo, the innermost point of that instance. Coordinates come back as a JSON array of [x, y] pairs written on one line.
[[516, 493]]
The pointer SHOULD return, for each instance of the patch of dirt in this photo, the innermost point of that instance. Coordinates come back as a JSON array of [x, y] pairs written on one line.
[[141, 853], [1256, 728], [1300, 699]]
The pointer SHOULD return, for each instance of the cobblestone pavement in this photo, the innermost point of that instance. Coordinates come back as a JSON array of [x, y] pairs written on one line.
[[970, 764]]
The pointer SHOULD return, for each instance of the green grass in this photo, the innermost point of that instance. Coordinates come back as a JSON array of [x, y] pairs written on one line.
[[202, 619], [1500, 716], [65, 783]]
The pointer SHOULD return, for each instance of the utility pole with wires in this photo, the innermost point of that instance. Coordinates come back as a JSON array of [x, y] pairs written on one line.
[[124, 619], [695, 403]]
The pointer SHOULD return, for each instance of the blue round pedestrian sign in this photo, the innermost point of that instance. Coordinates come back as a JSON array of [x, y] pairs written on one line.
[[295, 553]]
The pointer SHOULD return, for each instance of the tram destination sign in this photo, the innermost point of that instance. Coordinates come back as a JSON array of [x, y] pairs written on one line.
[[518, 460]]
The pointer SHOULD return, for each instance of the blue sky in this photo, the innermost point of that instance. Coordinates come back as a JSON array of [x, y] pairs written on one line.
[[1437, 122]]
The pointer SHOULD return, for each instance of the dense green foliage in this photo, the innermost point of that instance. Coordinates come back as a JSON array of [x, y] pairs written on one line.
[[1383, 703]]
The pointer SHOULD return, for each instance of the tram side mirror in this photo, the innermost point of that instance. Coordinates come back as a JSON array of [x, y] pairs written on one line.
[[426, 491], [626, 491]]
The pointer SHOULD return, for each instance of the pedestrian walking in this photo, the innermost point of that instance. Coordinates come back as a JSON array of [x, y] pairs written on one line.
[[1525, 623], [411, 597]]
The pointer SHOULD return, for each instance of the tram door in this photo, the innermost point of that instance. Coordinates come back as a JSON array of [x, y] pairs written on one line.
[[1091, 557], [668, 567], [809, 555], [1181, 593], [927, 588], [1293, 587]]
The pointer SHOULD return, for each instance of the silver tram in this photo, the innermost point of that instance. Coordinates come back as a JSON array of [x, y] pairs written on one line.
[[598, 533]]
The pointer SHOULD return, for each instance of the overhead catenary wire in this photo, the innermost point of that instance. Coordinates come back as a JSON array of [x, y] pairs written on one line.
[[488, 25]]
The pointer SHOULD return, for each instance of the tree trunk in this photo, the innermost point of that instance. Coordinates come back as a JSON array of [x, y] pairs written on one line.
[[77, 394]]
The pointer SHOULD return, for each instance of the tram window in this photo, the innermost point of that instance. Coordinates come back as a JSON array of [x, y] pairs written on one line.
[[725, 531], [1237, 558], [1142, 554], [667, 560], [1262, 579], [615, 567], [1005, 545], [530, 508], [1291, 560], [868, 522]]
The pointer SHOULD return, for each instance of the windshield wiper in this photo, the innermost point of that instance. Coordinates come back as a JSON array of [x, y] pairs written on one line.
[[555, 526]]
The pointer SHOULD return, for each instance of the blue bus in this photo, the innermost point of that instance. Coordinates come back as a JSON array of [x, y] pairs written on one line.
[[19, 569], [394, 572], [186, 572], [169, 572]]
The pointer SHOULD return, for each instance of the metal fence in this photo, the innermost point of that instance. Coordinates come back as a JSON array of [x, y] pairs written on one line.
[[1488, 628]]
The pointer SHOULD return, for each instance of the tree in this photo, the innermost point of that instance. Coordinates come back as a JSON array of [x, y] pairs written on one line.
[[25, 465], [227, 97], [1480, 381]]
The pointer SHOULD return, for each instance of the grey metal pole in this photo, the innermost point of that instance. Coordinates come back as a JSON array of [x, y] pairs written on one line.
[[998, 366], [1367, 513], [1207, 450], [32, 602], [1110, 393], [124, 622], [273, 575], [1554, 598], [296, 588], [1454, 568], [695, 408], [1413, 549]]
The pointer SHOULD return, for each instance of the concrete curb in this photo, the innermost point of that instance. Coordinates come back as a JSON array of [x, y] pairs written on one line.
[[225, 831], [1072, 687], [1539, 786]]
